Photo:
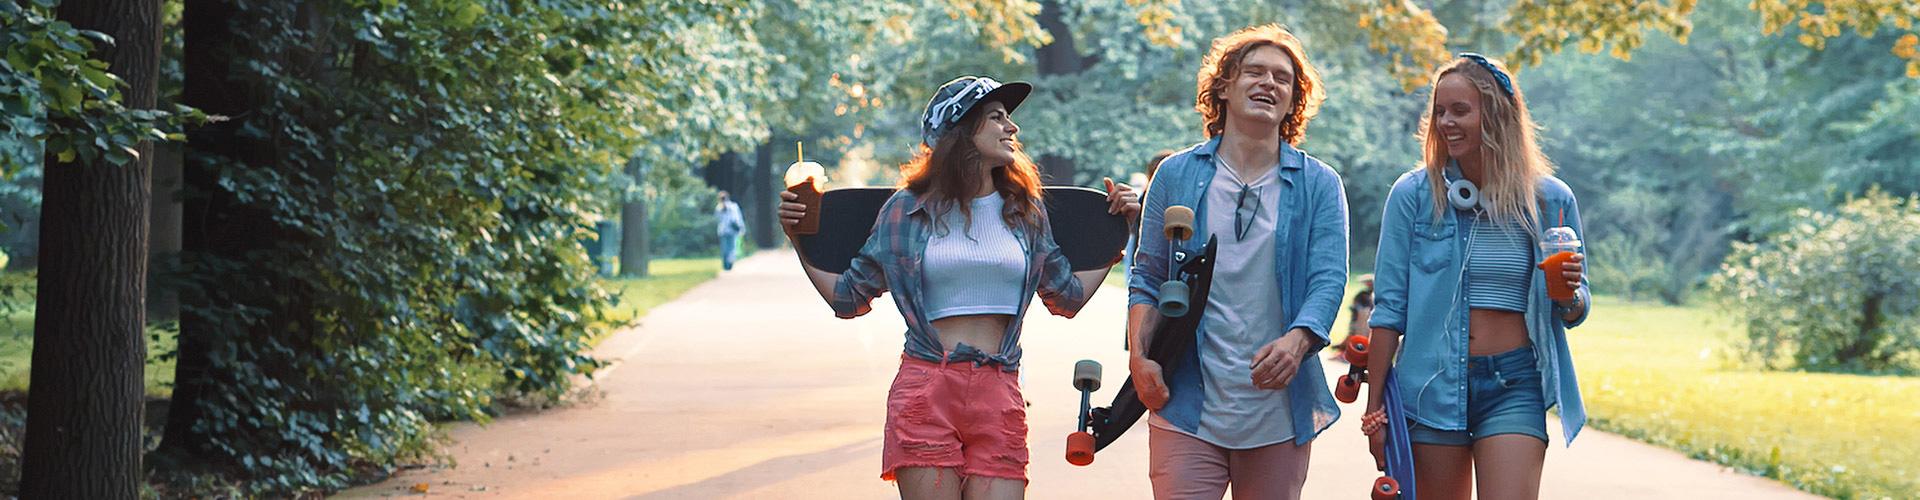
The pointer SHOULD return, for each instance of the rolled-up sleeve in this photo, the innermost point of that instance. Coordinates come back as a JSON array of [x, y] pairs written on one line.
[[1586, 288], [1390, 264], [1326, 258], [1150, 255]]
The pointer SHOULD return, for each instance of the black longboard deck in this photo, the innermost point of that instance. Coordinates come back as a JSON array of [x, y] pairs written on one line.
[[1172, 338], [1090, 237]]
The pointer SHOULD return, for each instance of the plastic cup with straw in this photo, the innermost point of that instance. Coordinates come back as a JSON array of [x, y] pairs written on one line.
[[1559, 244], [806, 179]]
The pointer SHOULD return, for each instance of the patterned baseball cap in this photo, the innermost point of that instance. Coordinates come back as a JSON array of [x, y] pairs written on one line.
[[957, 97]]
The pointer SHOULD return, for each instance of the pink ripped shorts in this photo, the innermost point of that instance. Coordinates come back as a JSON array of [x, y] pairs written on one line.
[[957, 415]]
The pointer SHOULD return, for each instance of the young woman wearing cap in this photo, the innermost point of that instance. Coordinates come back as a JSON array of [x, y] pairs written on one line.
[[964, 246], [1485, 352]]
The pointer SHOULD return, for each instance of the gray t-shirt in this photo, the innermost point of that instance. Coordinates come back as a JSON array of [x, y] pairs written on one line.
[[1243, 314]]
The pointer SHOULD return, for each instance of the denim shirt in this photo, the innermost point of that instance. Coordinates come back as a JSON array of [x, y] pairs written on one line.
[[1310, 263], [892, 260], [1417, 283]]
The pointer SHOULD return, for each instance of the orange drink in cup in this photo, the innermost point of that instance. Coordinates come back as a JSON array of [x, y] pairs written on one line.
[[1560, 245]]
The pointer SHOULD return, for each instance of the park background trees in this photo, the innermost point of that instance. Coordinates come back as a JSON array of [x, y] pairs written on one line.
[[381, 228]]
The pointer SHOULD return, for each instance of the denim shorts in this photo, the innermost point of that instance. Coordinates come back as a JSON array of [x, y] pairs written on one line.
[[1503, 397]]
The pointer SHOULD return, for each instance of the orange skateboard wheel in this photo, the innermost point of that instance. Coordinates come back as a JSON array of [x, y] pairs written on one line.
[[1386, 488], [1355, 351], [1348, 389], [1080, 448]]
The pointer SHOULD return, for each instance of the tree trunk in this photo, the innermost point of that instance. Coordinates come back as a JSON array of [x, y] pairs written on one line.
[[163, 245], [759, 204], [722, 174], [634, 253], [83, 437], [1866, 335], [213, 223], [1056, 59]]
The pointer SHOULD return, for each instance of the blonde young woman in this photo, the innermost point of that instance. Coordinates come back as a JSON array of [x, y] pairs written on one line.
[[1482, 350]]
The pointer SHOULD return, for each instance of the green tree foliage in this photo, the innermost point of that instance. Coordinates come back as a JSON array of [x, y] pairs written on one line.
[[1691, 146], [1835, 292], [54, 98], [433, 165]]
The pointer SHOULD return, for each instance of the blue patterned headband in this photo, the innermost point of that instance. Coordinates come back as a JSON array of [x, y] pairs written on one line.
[[1505, 82]]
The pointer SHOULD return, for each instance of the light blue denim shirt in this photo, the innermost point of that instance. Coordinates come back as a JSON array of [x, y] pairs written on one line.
[[892, 260], [1418, 290], [1310, 263]]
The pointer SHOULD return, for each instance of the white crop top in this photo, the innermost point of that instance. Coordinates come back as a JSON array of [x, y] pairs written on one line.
[[975, 268]]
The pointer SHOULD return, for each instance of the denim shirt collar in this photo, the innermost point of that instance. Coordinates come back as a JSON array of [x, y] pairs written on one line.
[[1290, 157]]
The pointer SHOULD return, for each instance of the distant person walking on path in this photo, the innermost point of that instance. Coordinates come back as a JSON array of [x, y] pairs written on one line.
[[1361, 307], [1485, 345], [1242, 410], [964, 246], [726, 218]]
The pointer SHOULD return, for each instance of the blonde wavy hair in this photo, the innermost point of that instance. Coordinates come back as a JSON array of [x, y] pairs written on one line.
[[1511, 163]]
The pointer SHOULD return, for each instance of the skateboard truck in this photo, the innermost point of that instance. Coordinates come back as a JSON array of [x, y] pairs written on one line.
[[1174, 293], [1397, 482], [1086, 378], [1355, 352]]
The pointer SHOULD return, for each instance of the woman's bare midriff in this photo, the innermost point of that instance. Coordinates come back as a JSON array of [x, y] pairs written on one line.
[[982, 331], [1495, 332]]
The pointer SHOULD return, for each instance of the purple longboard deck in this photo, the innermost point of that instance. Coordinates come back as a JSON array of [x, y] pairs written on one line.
[[1399, 447], [1089, 236]]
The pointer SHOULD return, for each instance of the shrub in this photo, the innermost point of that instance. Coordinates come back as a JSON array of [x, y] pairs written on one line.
[[1835, 292]]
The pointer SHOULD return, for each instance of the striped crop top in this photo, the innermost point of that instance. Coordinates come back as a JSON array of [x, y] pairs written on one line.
[[1499, 265]]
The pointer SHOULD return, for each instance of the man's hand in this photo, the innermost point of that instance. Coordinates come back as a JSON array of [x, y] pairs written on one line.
[[1277, 362], [1122, 200], [1148, 382]]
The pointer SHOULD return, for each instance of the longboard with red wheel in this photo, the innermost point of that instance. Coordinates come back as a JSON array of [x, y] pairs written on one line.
[[1398, 481], [1183, 297], [1090, 237], [1397, 484]]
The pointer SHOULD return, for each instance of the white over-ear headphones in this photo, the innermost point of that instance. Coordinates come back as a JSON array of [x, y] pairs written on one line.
[[1463, 194]]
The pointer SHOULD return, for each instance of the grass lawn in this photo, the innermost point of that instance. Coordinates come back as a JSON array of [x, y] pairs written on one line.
[[16, 352], [1655, 373], [666, 280]]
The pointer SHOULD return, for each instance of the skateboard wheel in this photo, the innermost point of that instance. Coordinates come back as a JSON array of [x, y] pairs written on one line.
[[1080, 448], [1173, 298], [1356, 350], [1178, 223], [1386, 488], [1086, 375], [1348, 389]]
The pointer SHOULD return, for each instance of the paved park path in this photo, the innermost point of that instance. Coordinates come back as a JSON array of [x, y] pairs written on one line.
[[748, 387]]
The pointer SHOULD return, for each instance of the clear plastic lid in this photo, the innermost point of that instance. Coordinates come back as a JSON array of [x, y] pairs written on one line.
[[1559, 238], [799, 171]]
